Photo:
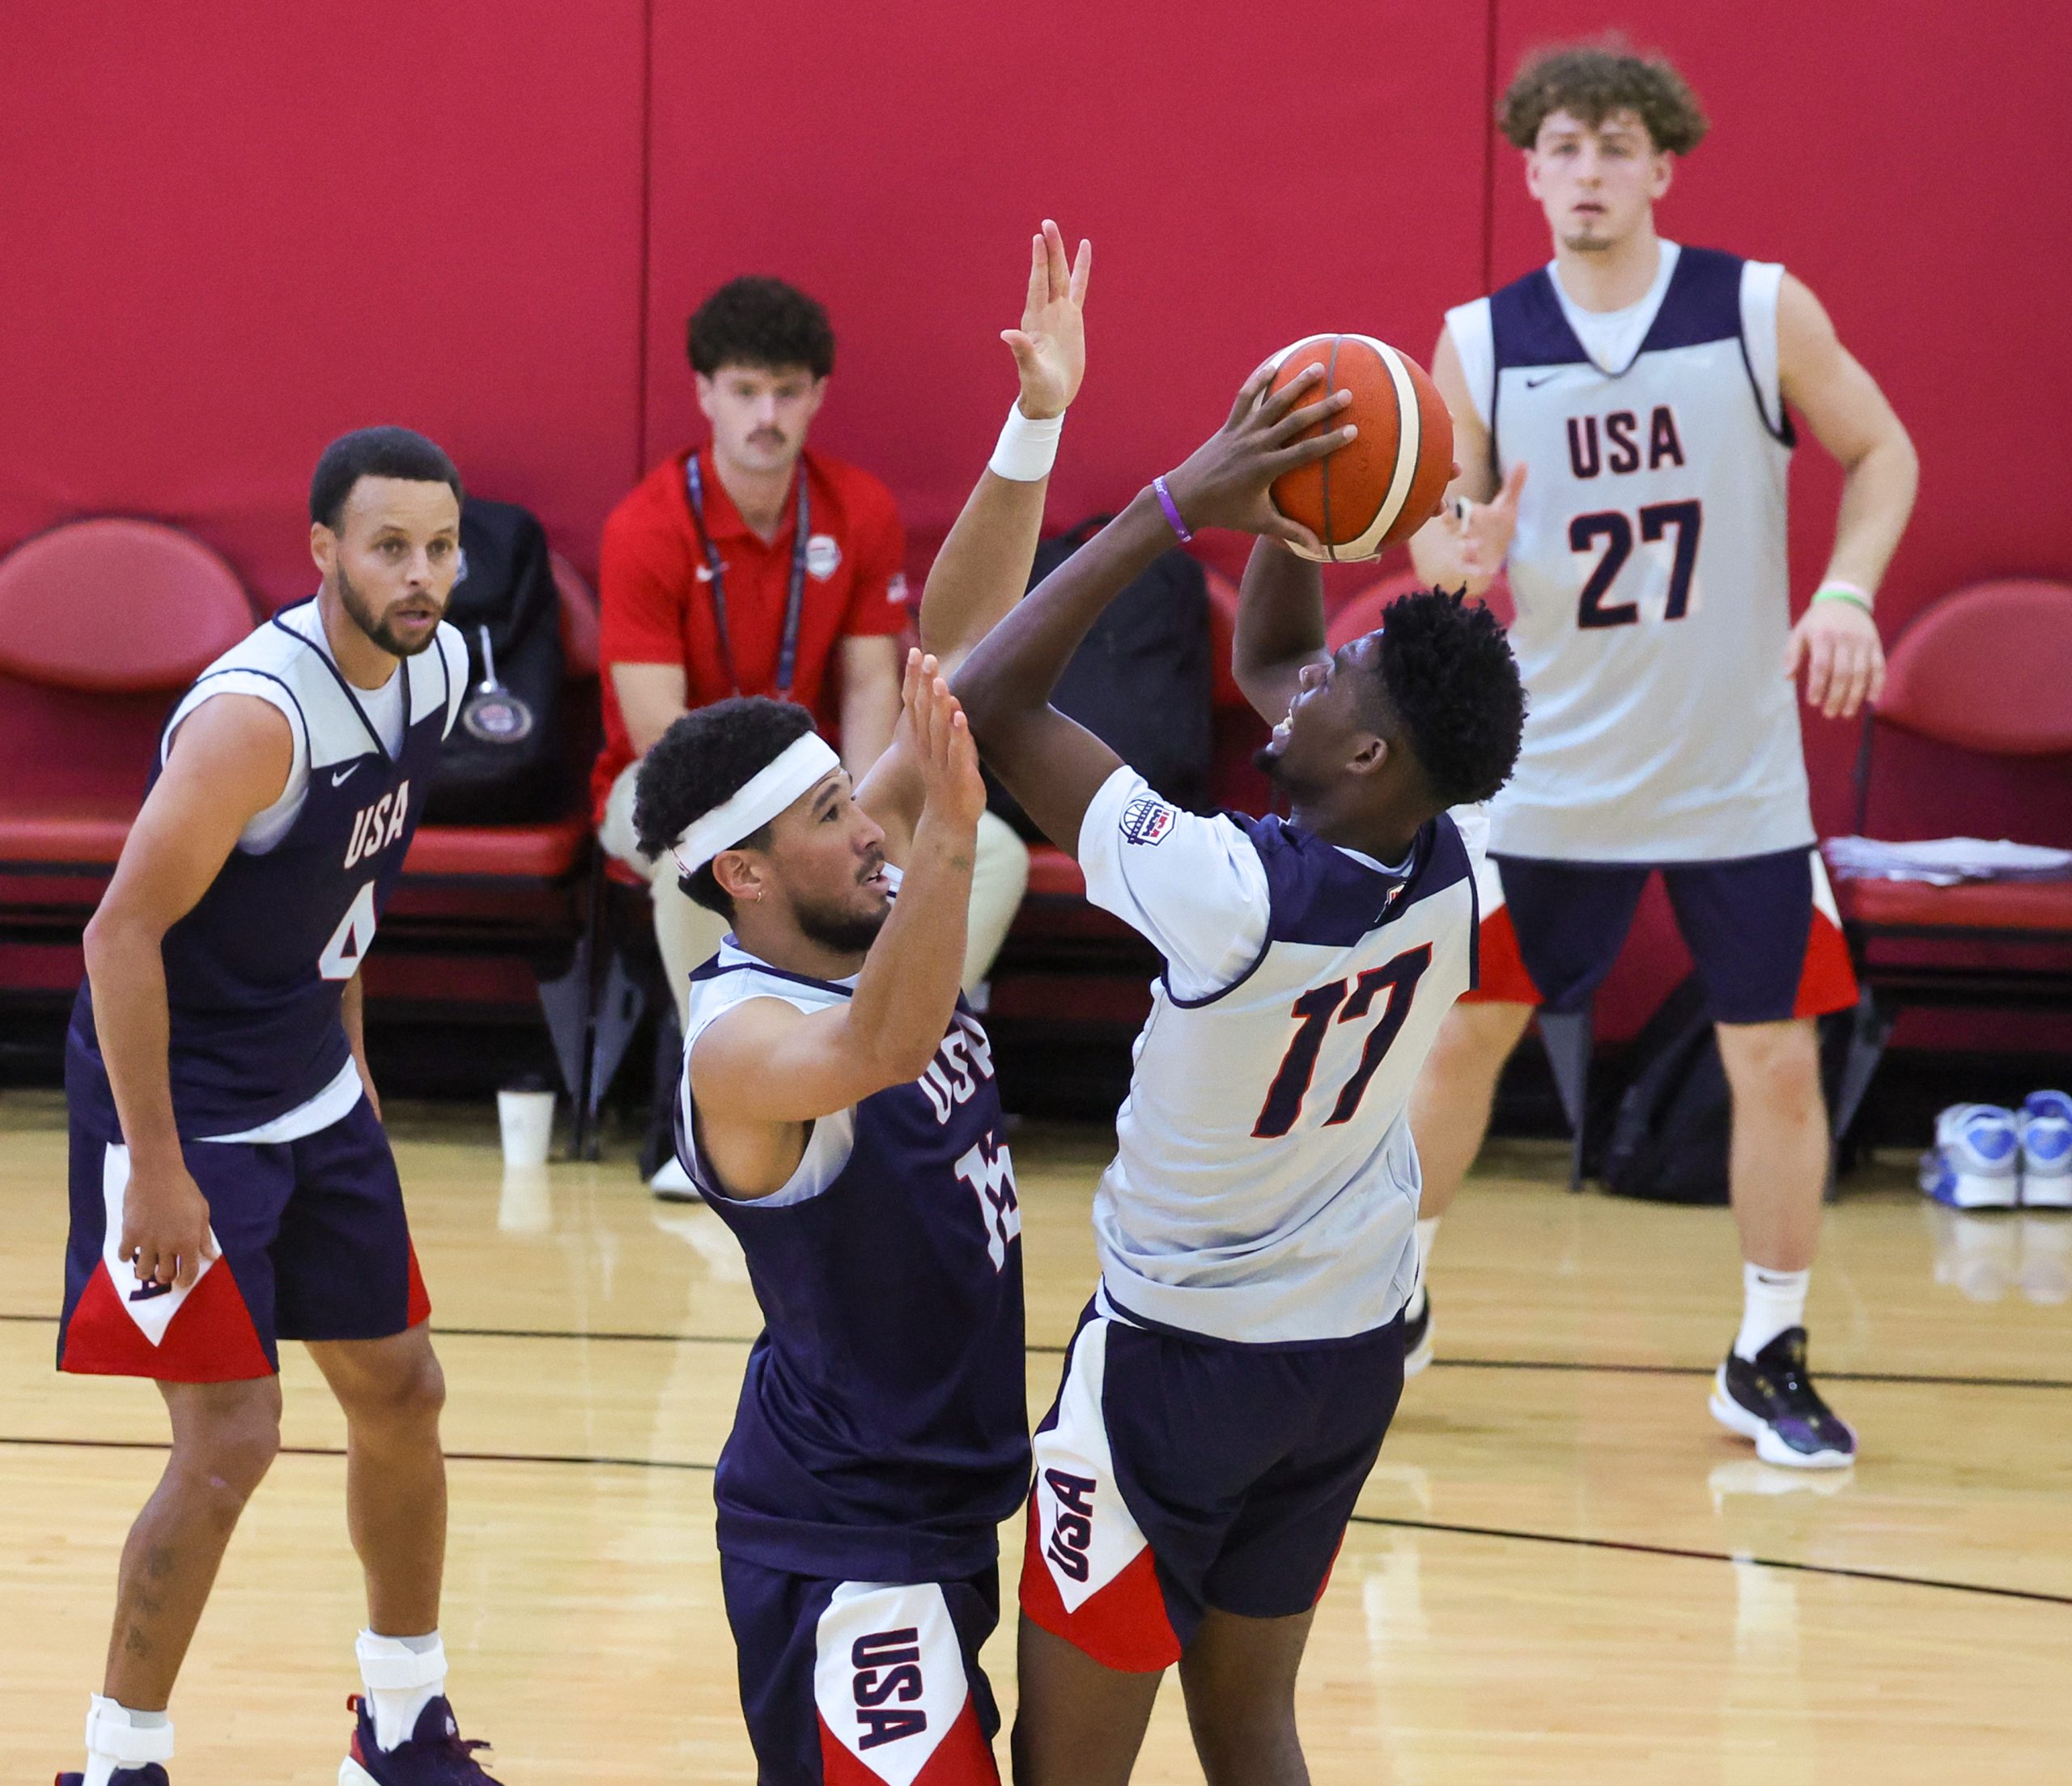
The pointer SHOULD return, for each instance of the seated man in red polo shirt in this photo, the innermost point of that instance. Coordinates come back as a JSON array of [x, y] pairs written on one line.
[[755, 566]]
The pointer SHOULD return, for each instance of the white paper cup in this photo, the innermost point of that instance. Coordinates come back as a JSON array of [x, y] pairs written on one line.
[[526, 1120]]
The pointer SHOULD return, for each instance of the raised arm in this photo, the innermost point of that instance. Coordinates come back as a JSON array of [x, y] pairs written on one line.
[[1462, 547], [766, 1065], [229, 761], [1281, 627], [983, 568], [1053, 765], [1836, 639]]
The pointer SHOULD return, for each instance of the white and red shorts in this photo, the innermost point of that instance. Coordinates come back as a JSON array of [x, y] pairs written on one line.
[[1178, 1473]]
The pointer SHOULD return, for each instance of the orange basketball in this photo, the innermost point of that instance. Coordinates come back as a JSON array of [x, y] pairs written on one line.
[[1381, 487]]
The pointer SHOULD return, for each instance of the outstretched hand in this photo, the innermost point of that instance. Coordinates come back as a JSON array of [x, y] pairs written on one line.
[[1050, 347], [933, 723], [1482, 530], [1225, 481]]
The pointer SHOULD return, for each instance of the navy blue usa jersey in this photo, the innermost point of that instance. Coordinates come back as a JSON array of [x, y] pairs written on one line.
[[255, 972], [882, 1433]]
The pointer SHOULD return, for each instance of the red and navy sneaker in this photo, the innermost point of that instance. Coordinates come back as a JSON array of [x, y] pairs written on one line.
[[1772, 1400], [150, 1774], [434, 1755]]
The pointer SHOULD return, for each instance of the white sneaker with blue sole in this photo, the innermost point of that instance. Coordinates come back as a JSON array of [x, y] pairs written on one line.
[[1976, 1163], [2044, 1125]]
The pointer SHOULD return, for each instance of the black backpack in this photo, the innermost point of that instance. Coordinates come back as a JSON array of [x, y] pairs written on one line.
[[1140, 681], [1669, 1139], [503, 762]]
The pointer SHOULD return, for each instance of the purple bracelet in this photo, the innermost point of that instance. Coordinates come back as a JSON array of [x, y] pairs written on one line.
[[1172, 508]]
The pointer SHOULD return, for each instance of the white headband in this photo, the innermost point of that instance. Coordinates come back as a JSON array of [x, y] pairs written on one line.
[[759, 800]]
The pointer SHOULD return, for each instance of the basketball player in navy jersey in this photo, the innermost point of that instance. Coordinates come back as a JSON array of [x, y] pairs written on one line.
[[839, 1109], [231, 1184], [1229, 1386], [1622, 419]]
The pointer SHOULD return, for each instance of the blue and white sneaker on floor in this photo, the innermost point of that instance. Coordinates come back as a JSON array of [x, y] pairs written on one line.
[[2045, 1128], [1976, 1163], [436, 1755]]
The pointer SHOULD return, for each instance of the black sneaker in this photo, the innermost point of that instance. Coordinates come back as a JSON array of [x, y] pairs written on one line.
[[150, 1774], [1773, 1401], [1417, 1333], [434, 1755]]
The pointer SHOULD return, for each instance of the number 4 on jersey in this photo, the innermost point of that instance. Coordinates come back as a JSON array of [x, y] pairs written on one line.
[[1348, 1002], [351, 941]]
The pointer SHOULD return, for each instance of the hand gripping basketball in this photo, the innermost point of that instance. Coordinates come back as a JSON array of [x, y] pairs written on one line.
[[1225, 480]]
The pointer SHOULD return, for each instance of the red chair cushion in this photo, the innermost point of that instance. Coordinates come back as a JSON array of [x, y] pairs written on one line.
[[85, 830], [535, 852], [1054, 874], [579, 619], [116, 606], [1988, 668], [1223, 692], [1983, 905]]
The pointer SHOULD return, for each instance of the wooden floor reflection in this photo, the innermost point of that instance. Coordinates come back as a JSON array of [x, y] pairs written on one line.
[[1561, 1570]]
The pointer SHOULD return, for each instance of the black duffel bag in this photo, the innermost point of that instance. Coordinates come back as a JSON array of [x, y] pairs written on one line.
[[1668, 1142], [503, 762], [1140, 681]]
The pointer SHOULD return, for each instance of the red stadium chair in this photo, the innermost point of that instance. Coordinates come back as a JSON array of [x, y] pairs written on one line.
[[1986, 673], [102, 622]]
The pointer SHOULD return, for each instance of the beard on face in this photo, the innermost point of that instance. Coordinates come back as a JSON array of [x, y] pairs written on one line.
[[1273, 764], [838, 928], [376, 627]]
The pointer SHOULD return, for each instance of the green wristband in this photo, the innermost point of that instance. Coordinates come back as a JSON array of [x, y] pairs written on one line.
[[1844, 591]]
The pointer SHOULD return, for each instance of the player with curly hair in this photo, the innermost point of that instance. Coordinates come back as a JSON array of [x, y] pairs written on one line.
[[1623, 420], [1230, 1385]]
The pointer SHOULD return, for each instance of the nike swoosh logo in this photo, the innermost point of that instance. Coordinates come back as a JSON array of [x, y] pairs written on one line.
[[1534, 383], [339, 780]]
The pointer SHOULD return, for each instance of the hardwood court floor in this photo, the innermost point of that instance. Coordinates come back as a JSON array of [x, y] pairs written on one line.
[[1562, 1571]]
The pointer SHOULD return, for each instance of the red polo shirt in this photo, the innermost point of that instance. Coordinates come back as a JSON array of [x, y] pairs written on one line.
[[655, 599]]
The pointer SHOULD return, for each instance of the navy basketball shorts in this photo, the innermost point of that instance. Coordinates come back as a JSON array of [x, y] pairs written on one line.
[[1176, 1473], [860, 1683], [313, 1242], [1763, 931]]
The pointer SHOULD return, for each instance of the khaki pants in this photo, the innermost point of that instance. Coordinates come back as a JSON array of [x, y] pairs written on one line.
[[688, 934]]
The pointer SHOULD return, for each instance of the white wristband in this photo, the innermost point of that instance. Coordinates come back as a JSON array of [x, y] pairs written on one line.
[[1027, 448]]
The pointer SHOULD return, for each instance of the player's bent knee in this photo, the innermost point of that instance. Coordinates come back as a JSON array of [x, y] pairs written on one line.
[[1478, 1038]]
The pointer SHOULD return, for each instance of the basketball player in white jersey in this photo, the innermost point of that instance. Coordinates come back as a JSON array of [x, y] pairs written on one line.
[[1230, 1385], [1623, 419]]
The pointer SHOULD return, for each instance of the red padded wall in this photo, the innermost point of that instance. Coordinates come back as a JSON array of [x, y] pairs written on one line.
[[235, 231], [893, 163]]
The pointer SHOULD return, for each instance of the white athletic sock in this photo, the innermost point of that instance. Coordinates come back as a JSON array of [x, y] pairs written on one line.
[[118, 1737], [1428, 1231], [403, 1675], [1771, 1301]]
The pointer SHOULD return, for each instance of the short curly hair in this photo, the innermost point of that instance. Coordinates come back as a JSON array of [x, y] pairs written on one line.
[[1592, 81], [760, 322], [1451, 680], [707, 756]]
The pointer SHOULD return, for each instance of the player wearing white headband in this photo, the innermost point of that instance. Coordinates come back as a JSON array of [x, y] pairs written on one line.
[[838, 1108]]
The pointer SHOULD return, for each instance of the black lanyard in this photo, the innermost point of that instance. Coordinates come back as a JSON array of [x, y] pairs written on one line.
[[788, 652]]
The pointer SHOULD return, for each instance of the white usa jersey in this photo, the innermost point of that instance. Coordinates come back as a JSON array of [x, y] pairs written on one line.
[[1265, 1187], [1649, 567]]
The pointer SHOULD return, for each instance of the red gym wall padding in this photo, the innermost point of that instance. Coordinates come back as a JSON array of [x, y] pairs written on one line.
[[233, 231]]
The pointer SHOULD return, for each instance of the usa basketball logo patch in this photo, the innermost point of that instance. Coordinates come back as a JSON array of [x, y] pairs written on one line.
[[1146, 821]]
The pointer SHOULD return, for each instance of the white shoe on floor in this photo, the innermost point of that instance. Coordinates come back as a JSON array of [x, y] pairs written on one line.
[[673, 1184]]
